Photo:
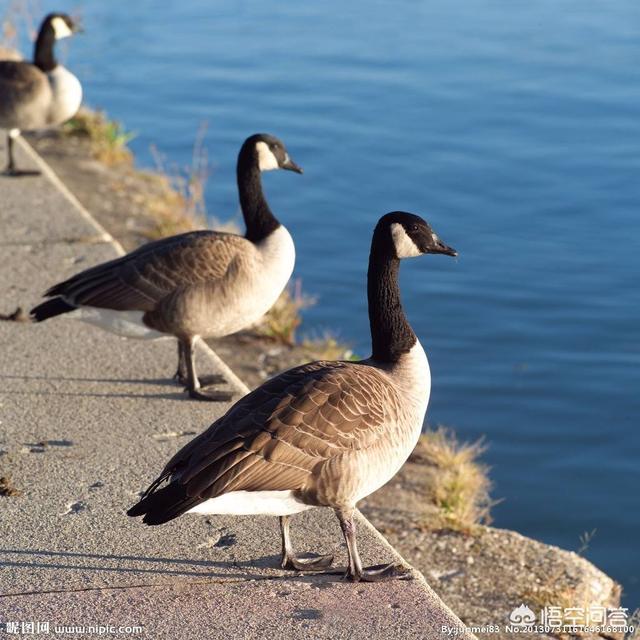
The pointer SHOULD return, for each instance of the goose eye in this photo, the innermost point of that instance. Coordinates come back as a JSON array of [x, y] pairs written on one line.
[[414, 227]]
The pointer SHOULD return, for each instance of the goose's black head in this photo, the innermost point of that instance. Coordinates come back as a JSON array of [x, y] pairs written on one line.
[[406, 235], [59, 25], [270, 153]]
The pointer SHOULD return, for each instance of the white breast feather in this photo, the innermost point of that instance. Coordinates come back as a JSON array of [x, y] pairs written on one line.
[[67, 95], [412, 378], [260, 287]]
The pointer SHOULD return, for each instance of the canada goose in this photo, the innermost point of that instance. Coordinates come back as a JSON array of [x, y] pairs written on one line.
[[322, 434], [201, 283], [39, 94]]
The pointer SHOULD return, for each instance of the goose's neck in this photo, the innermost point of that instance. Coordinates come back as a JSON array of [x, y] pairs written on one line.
[[44, 56], [258, 217], [391, 333]]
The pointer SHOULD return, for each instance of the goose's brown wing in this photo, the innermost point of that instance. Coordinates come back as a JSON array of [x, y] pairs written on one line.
[[142, 278], [23, 89], [278, 435]]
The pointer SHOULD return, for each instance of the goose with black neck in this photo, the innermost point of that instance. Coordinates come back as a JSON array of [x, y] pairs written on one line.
[[40, 94], [324, 434], [205, 284]]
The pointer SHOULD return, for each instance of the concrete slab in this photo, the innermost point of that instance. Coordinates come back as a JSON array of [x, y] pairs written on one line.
[[52, 219], [297, 608], [87, 420]]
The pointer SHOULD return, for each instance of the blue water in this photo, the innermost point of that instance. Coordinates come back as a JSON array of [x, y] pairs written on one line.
[[514, 128]]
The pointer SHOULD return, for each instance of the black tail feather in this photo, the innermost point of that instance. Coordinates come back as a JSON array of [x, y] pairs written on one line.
[[50, 308], [163, 505]]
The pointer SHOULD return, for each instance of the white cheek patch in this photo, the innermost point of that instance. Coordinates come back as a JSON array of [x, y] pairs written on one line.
[[60, 28], [405, 246], [266, 160]]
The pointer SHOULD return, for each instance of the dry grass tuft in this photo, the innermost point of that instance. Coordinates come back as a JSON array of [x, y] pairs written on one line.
[[181, 207], [552, 595], [283, 319], [16, 12], [9, 53], [281, 322], [108, 138], [456, 483], [171, 213], [7, 489], [326, 347]]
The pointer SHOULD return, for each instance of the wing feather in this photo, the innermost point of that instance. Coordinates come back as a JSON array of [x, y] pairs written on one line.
[[144, 277], [276, 437]]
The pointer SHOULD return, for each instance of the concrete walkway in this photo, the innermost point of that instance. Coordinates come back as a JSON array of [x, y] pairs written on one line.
[[86, 421]]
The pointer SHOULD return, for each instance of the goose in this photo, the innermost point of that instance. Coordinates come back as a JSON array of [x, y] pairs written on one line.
[[39, 94], [197, 284], [324, 434]]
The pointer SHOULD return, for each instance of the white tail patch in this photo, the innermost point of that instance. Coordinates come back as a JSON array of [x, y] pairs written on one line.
[[123, 323], [266, 160], [60, 28], [248, 503], [405, 246]]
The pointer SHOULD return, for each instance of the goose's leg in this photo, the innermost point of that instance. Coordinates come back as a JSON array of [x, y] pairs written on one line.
[[11, 170], [181, 374], [355, 571], [289, 560], [11, 166], [193, 384]]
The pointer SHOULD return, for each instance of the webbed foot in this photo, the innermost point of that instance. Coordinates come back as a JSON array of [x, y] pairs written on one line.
[[314, 563], [380, 573], [12, 172], [210, 395]]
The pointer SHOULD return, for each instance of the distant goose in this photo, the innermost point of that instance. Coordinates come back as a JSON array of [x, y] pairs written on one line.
[[196, 284], [322, 434], [39, 94]]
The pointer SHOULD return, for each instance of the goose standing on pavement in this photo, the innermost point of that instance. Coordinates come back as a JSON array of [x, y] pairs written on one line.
[[197, 284], [39, 94], [322, 434]]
